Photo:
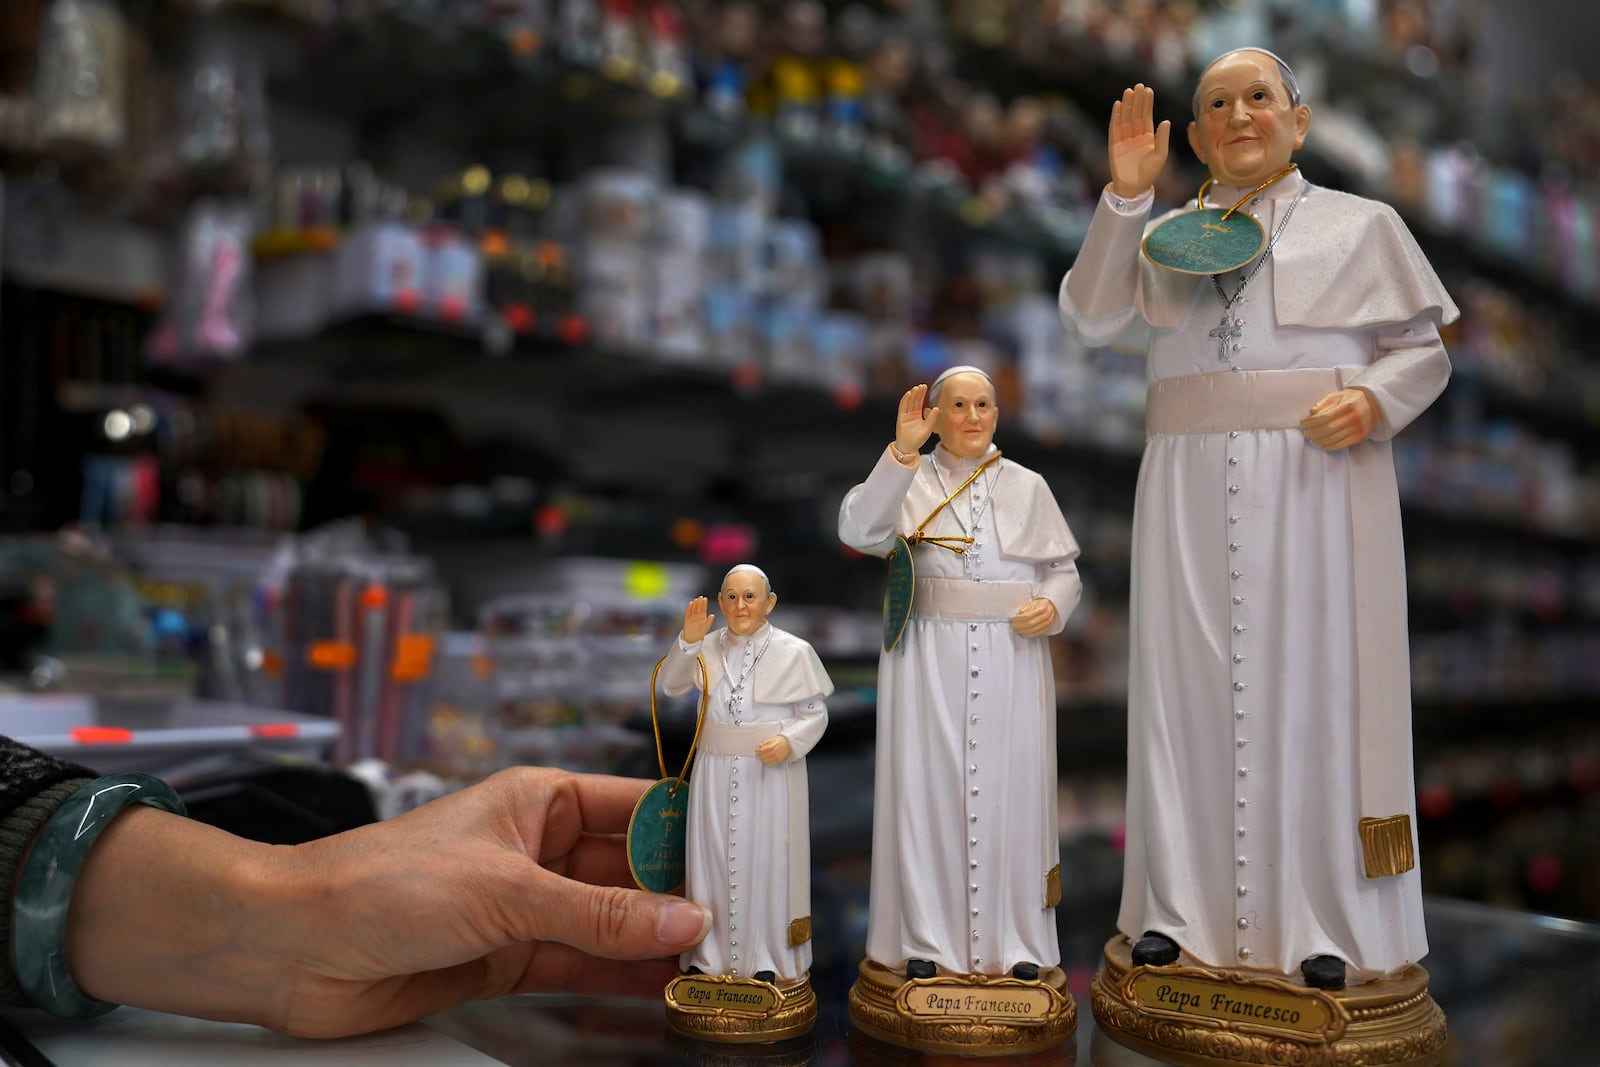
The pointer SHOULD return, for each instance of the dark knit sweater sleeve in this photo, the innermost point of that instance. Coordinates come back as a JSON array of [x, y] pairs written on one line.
[[32, 786], [26, 772]]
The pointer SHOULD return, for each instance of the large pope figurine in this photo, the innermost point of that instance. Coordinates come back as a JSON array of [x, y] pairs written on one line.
[[965, 856], [1270, 802], [748, 854]]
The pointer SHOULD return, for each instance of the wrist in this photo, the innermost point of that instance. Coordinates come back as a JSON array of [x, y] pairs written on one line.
[[177, 916], [1127, 192], [904, 457]]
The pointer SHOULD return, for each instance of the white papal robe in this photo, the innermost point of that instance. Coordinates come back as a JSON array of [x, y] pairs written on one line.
[[1245, 698], [964, 838], [748, 851]]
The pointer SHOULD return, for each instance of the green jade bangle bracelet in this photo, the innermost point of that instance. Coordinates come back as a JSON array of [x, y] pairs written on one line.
[[44, 889]]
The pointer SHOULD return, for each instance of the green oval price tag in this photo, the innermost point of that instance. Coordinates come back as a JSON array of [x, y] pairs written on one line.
[[657, 834], [1202, 242]]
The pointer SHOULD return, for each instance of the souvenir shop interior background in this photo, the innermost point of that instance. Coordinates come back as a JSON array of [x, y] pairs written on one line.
[[382, 377]]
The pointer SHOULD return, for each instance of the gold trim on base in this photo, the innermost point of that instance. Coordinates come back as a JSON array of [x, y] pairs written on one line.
[[1386, 847], [1389, 1023], [781, 1012], [878, 1006]]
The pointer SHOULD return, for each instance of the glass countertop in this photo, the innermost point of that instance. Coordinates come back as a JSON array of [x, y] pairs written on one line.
[[1518, 990]]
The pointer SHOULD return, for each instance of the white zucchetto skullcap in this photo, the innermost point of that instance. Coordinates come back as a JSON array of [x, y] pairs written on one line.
[[962, 368], [748, 568]]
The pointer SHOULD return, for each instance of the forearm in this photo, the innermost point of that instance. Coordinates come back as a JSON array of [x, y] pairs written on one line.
[[177, 916], [1097, 294], [869, 515], [806, 728], [679, 673], [1409, 372], [1064, 588]]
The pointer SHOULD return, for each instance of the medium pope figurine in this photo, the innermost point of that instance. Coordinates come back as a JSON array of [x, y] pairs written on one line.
[[961, 938], [748, 853], [1291, 331]]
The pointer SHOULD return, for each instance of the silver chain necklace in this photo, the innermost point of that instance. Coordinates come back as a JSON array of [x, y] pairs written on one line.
[[1231, 328], [734, 695], [977, 512], [968, 557]]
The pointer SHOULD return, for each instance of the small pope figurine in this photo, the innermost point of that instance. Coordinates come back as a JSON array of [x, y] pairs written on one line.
[[1270, 799], [965, 853], [748, 856]]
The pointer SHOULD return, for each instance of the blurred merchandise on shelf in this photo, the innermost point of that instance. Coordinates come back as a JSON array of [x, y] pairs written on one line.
[[179, 740], [85, 621], [567, 674], [1515, 826], [80, 99], [208, 313], [1499, 469], [220, 141], [352, 630], [408, 365]]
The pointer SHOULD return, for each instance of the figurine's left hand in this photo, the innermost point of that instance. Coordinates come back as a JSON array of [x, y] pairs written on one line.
[[774, 750], [1342, 419], [1035, 618]]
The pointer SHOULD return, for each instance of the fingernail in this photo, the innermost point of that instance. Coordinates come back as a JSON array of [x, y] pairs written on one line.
[[682, 923]]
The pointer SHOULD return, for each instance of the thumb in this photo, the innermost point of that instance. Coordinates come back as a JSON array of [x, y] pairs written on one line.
[[623, 924]]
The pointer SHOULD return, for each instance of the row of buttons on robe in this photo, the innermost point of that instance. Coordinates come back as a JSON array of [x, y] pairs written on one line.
[[972, 816], [736, 706], [1241, 890], [1240, 686], [973, 561]]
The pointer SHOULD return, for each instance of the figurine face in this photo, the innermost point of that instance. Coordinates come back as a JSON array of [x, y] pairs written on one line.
[[745, 602], [1247, 129], [967, 415]]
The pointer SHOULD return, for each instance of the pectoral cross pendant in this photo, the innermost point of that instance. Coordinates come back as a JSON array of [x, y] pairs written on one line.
[[1229, 329]]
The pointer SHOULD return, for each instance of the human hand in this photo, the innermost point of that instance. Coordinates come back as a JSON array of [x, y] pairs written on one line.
[[696, 621], [914, 426], [1342, 419], [513, 885], [1137, 148], [774, 750], [1035, 618]]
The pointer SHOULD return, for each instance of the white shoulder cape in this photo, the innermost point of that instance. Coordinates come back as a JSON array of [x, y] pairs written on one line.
[[789, 672], [1343, 263]]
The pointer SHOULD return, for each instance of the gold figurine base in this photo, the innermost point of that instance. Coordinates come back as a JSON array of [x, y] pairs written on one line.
[[969, 1015], [1200, 1017], [732, 1010]]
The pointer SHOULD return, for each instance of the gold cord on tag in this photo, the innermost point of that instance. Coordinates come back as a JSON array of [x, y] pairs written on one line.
[[952, 542], [1200, 197], [655, 726]]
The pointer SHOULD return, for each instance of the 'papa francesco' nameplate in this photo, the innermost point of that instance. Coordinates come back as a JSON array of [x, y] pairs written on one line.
[[1203, 242], [1020, 1005], [695, 993], [1247, 1004]]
